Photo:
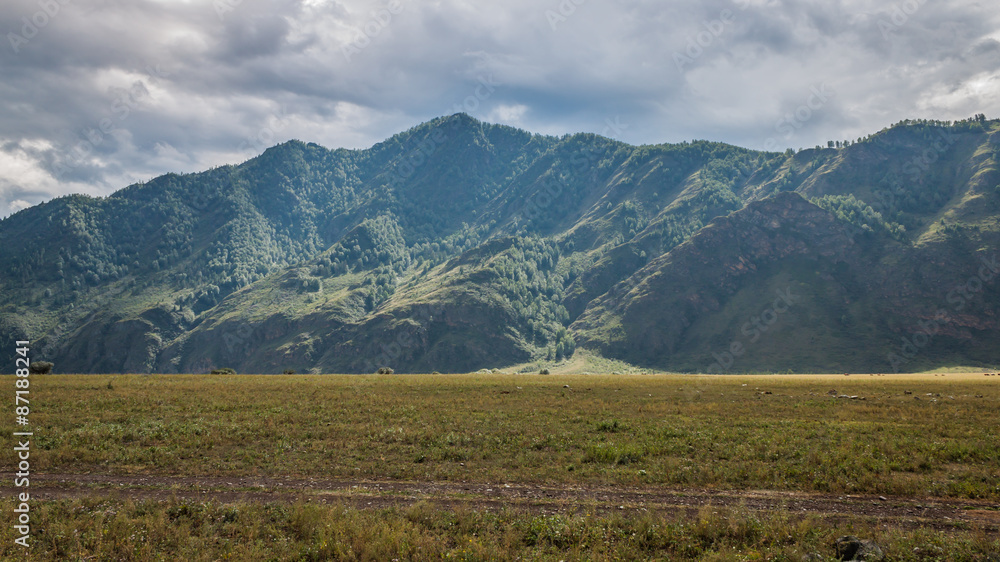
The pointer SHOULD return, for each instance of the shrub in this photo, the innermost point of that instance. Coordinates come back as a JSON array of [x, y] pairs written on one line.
[[224, 371], [543, 372], [41, 368], [612, 426], [608, 453], [289, 371], [385, 371]]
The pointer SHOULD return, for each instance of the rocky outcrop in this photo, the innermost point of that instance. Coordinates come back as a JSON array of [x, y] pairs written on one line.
[[852, 548]]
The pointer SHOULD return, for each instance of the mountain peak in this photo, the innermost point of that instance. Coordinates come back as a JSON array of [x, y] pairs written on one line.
[[459, 244]]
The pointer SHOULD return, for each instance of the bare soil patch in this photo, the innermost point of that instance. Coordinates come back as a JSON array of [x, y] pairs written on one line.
[[907, 512]]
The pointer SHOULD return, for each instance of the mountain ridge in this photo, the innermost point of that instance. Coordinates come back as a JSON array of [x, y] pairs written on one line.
[[459, 245]]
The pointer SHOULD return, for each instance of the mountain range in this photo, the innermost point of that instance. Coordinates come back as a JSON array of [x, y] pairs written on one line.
[[460, 245]]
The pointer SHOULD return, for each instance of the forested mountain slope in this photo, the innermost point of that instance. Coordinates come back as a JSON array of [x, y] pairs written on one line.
[[459, 245]]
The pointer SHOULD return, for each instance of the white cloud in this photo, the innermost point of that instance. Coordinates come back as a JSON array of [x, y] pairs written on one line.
[[508, 114], [273, 70], [964, 97], [18, 204]]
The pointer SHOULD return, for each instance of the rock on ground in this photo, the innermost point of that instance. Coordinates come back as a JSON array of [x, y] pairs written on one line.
[[853, 548]]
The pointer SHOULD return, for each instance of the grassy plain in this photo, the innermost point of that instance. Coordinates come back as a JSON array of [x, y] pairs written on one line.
[[932, 435], [731, 432], [116, 529]]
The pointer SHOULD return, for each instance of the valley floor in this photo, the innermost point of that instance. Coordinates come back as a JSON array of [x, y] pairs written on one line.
[[904, 512], [496, 467]]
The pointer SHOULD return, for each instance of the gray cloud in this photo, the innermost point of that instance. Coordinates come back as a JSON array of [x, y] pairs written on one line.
[[104, 93]]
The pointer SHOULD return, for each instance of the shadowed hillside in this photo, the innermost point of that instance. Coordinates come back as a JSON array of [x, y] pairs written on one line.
[[460, 245]]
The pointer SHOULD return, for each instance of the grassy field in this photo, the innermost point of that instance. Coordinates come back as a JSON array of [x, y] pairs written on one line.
[[110, 529], [780, 432], [933, 435]]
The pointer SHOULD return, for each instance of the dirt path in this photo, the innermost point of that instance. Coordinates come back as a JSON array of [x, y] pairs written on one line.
[[906, 512]]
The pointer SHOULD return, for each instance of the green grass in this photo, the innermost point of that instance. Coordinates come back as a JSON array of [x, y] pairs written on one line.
[[114, 529], [732, 432], [675, 431], [582, 362]]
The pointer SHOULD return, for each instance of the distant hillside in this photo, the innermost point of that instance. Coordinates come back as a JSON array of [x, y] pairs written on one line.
[[460, 245]]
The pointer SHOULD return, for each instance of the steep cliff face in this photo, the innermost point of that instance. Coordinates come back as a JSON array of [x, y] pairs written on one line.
[[459, 245]]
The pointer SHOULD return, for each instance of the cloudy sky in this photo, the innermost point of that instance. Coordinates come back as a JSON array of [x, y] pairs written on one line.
[[98, 94]]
